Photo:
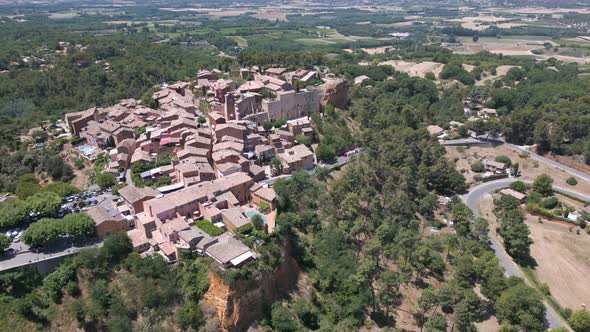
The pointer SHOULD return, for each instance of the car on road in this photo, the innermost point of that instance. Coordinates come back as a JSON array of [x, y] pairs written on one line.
[[9, 252]]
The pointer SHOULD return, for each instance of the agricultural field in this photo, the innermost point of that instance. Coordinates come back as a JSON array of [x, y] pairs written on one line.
[[563, 261]]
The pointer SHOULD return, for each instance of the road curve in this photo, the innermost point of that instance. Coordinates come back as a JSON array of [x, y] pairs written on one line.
[[471, 199]]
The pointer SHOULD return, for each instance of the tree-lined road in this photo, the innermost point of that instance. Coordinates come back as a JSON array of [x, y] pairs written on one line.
[[472, 199]]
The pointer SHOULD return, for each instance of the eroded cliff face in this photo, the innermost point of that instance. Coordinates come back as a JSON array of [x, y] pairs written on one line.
[[240, 304], [335, 92]]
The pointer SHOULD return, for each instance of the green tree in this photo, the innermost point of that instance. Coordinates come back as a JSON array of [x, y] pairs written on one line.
[[521, 304], [504, 160], [257, 221], [302, 139], [27, 186], [580, 321], [325, 152], [190, 317], [45, 203], [436, 323], [61, 188], [105, 180], [543, 184], [572, 181], [79, 225], [41, 233], [480, 229], [282, 320], [477, 167], [13, 212], [119, 323], [518, 186], [4, 242]]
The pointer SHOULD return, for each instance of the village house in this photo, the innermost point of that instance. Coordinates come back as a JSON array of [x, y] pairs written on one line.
[[275, 72], [296, 158], [300, 127], [435, 130], [134, 197], [229, 252], [165, 224], [516, 194], [494, 166], [108, 219], [487, 113]]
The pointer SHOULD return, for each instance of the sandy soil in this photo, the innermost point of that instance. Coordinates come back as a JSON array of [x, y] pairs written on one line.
[[527, 165], [542, 10], [500, 72], [479, 22], [490, 325], [468, 68], [515, 48], [81, 176], [563, 261], [271, 15], [378, 50], [415, 69]]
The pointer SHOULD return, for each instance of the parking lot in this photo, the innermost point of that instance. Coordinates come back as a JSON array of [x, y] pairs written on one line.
[[71, 204]]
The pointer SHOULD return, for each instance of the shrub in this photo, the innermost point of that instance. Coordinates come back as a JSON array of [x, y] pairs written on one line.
[[264, 207], [477, 167], [504, 159], [117, 187], [534, 197], [549, 203], [61, 188], [543, 184], [518, 186], [572, 181], [536, 209]]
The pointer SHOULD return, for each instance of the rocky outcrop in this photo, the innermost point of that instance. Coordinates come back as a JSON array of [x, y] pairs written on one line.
[[240, 304], [334, 91]]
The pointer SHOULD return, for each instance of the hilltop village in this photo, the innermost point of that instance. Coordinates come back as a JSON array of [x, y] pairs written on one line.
[[197, 162]]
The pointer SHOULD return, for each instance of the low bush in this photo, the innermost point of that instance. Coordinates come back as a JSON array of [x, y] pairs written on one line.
[[571, 181], [504, 160], [477, 167], [549, 203]]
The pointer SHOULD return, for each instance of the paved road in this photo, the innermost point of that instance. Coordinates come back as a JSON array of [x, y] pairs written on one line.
[[550, 162], [29, 257], [339, 162], [472, 199], [25, 257]]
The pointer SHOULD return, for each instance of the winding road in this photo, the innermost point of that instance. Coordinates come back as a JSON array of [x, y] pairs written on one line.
[[471, 199]]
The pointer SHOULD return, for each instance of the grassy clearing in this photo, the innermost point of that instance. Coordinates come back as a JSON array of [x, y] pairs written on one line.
[[542, 288], [240, 40]]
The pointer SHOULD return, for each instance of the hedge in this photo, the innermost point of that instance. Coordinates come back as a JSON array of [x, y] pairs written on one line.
[[494, 177], [537, 210]]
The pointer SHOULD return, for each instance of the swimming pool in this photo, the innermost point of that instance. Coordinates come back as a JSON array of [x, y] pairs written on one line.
[[86, 150], [252, 213]]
